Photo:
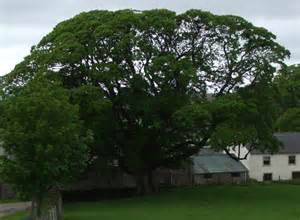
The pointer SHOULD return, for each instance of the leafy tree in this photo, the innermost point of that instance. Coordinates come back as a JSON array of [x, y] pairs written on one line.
[[288, 84], [96, 114], [289, 120], [245, 118], [42, 139], [155, 69], [288, 88]]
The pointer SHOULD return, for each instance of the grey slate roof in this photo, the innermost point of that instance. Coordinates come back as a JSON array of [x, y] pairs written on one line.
[[208, 161], [290, 141]]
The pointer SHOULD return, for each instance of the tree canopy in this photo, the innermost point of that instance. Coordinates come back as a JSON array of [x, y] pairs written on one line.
[[165, 82], [289, 121], [288, 86], [288, 83]]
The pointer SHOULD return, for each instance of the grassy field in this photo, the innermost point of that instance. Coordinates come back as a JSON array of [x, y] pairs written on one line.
[[17, 216], [255, 202]]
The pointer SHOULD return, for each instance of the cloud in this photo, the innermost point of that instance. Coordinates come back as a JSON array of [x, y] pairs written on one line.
[[24, 22], [18, 35], [9, 56], [39, 12], [287, 33]]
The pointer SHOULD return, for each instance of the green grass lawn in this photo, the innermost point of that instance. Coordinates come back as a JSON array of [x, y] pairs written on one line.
[[16, 216], [255, 202]]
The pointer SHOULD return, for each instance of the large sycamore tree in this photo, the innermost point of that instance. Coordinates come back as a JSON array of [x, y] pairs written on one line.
[[168, 82]]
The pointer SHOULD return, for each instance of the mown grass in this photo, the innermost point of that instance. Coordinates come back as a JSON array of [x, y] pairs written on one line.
[[253, 202], [16, 216]]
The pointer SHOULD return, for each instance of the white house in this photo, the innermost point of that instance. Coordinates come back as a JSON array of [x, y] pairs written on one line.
[[283, 165]]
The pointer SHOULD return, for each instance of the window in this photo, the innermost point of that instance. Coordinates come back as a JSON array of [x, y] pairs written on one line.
[[267, 177], [207, 176], [266, 160], [292, 159], [235, 174]]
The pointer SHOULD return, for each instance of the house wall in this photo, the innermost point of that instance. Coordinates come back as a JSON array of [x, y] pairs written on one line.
[[243, 153], [220, 178], [279, 167]]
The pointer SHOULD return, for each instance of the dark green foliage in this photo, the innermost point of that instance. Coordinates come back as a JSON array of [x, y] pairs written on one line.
[[288, 87], [288, 83], [289, 120], [145, 77], [246, 118]]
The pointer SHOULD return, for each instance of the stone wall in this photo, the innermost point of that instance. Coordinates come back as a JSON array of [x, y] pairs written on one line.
[[220, 178], [94, 180], [118, 179], [171, 177]]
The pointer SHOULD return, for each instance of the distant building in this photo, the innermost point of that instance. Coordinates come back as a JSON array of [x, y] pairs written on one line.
[[207, 167], [6, 191], [283, 165], [210, 167]]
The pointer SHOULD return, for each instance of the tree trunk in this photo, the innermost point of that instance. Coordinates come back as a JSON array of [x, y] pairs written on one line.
[[33, 209], [139, 185], [151, 182], [59, 206], [36, 208], [147, 188], [47, 206], [145, 183]]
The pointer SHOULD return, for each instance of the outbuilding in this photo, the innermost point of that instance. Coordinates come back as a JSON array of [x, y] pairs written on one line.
[[210, 167]]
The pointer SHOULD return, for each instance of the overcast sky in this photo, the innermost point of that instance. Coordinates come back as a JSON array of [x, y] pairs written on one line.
[[24, 22]]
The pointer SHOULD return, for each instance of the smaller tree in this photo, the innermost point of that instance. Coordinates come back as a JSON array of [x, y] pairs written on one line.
[[245, 118], [43, 141]]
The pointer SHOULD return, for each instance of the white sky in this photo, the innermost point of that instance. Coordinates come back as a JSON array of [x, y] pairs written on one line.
[[24, 22]]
